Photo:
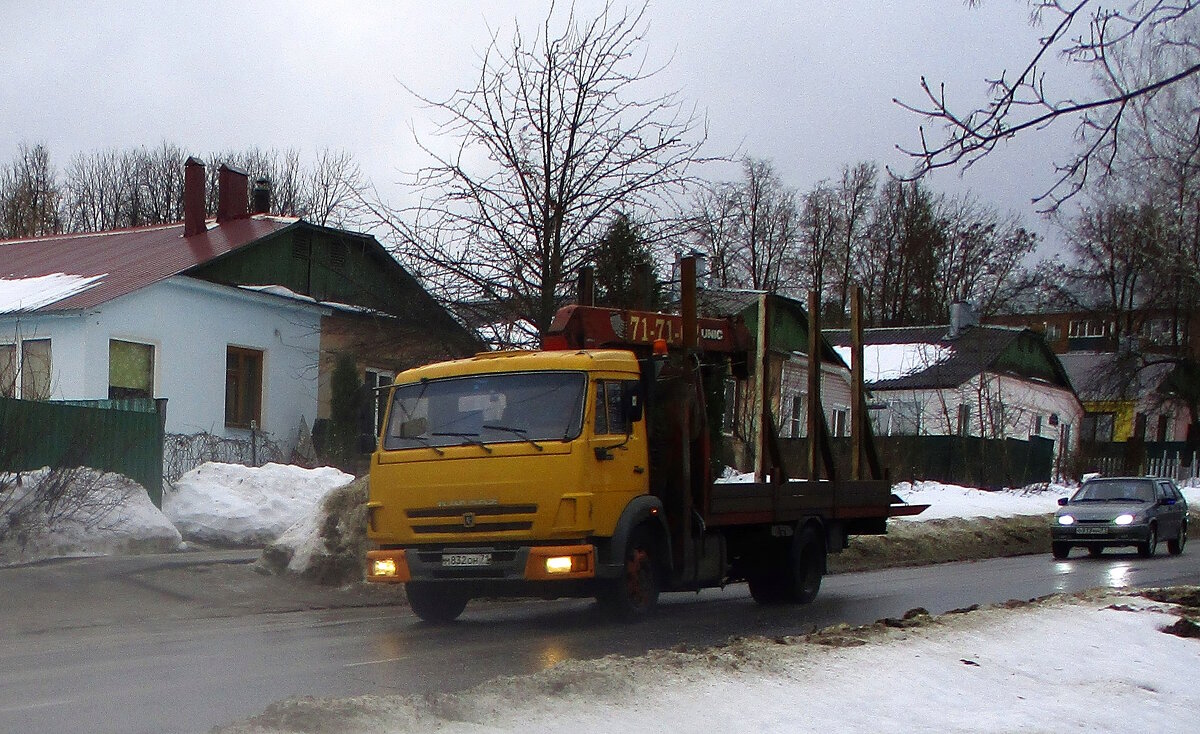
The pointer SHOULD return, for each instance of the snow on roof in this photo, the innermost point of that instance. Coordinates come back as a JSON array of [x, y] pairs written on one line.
[[893, 361], [283, 292], [519, 334], [29, 294]]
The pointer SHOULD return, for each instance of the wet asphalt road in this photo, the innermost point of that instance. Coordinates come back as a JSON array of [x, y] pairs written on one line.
[[151, 645]]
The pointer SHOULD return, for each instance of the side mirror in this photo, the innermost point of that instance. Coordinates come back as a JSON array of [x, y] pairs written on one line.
[[1062, 501], [632, 399]]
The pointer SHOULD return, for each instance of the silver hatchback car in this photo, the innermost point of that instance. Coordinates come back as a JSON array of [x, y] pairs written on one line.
[[1111, 512]]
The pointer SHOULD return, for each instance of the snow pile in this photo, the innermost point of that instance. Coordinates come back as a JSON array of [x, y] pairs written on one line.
[[950, 500], [329, 544], [235, 505], [893, 361], [1074, 664], [28, 294], [103, 513]]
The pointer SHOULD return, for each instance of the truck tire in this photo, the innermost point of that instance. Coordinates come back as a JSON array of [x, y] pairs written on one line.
[[796, 577], [633, 595], [435, 603]]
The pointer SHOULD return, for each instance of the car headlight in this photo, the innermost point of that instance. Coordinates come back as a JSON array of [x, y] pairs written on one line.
[[1066, 520], [1125, 519]]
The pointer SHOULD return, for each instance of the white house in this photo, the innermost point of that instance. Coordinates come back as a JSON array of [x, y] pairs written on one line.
[[967, 380], [236, 321]]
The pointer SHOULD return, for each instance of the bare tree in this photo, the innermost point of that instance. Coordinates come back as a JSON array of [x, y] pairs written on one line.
[[29, 195], [553, 138], [1084, 32]]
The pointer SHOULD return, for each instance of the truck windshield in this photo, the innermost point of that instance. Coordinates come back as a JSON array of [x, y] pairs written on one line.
[[482, 409]]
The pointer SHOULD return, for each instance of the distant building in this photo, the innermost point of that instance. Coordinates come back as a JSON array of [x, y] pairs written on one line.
[[966, 379]]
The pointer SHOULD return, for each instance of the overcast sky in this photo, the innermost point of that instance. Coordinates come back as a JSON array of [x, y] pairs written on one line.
[[807, 84]]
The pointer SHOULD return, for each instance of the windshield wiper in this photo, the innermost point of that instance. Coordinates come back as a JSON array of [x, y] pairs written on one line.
[[519, 433], [471, 438], [425, 442]]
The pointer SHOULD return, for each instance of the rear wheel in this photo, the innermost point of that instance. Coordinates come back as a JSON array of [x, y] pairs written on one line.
[[1175, 547], [1147, 549], [796, 578], [633, 595], [436, 603], [1060, 550]]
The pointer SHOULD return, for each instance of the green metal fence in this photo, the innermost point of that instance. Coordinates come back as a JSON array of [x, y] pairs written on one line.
[[122, 436]]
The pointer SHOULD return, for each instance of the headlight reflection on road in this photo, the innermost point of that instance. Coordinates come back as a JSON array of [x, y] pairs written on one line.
[[551, 655], [1118, 575]]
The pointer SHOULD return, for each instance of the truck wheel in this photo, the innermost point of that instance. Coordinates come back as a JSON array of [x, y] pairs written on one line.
[[633, 595], [435, 603], [796, 579]]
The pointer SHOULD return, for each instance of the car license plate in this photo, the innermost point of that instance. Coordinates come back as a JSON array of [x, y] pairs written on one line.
[[1091, 531], [459, 560]]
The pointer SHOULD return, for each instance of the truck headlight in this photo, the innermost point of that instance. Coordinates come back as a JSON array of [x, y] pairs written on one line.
[[1125, 519], [558, 564], [1066, 520], [383, 567]]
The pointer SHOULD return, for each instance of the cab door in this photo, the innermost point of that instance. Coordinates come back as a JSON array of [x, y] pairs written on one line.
[[619, 459]]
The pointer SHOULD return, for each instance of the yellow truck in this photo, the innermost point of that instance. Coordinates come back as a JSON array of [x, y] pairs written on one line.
[[584, 469]]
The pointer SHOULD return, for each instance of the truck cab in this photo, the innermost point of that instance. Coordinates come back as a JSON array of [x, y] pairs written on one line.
[[505, 472]]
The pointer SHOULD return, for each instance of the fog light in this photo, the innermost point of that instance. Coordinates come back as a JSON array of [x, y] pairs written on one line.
[[558, 564], [1123, 519], [383, 567]]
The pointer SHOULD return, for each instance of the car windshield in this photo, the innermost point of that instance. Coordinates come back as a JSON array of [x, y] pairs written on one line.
[[483, 409], [1115, 490]]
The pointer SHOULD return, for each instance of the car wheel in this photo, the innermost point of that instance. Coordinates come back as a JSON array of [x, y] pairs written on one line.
[[633, 595], [1175, 547], [1060, 550], [1095, 551], [1147, 549], [435, 603], [795, 577]]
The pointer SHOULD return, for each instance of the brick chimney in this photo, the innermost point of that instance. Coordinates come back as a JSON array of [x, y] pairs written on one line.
[[260, 197], [193, 196], [233, 193]]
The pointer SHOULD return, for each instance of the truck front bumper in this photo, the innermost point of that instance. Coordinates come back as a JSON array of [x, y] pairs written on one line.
[[484, 564]]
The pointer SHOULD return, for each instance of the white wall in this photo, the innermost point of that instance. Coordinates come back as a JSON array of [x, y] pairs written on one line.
[[1022, 400], [190, 323]]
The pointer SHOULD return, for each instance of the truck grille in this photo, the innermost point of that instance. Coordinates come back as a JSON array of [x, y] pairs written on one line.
[[471, 519]]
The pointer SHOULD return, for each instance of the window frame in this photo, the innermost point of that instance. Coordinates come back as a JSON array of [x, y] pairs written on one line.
[[254, 417], [153, 366]]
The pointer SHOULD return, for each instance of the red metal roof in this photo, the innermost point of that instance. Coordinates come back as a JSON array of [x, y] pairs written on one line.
[[128, 259]]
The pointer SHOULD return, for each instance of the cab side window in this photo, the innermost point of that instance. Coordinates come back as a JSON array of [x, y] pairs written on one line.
[[610, 406]]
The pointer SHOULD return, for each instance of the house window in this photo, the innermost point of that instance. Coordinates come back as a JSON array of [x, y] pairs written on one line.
[[1164, 424], [1053, 332], [373, 380], [130, 370], [964, 419], [8, 370], [841, 423], [1037, 425], [798, 420], [25, 369], [243, 387], [730, 406], [1087, 328], [1098, 427]]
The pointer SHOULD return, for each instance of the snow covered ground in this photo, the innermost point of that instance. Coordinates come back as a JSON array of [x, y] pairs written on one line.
[[234, 505], [1097, 664], [114, 516]]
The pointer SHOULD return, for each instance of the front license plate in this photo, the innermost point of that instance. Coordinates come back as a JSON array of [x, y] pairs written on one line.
[[459, 560], [1091, 531]]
